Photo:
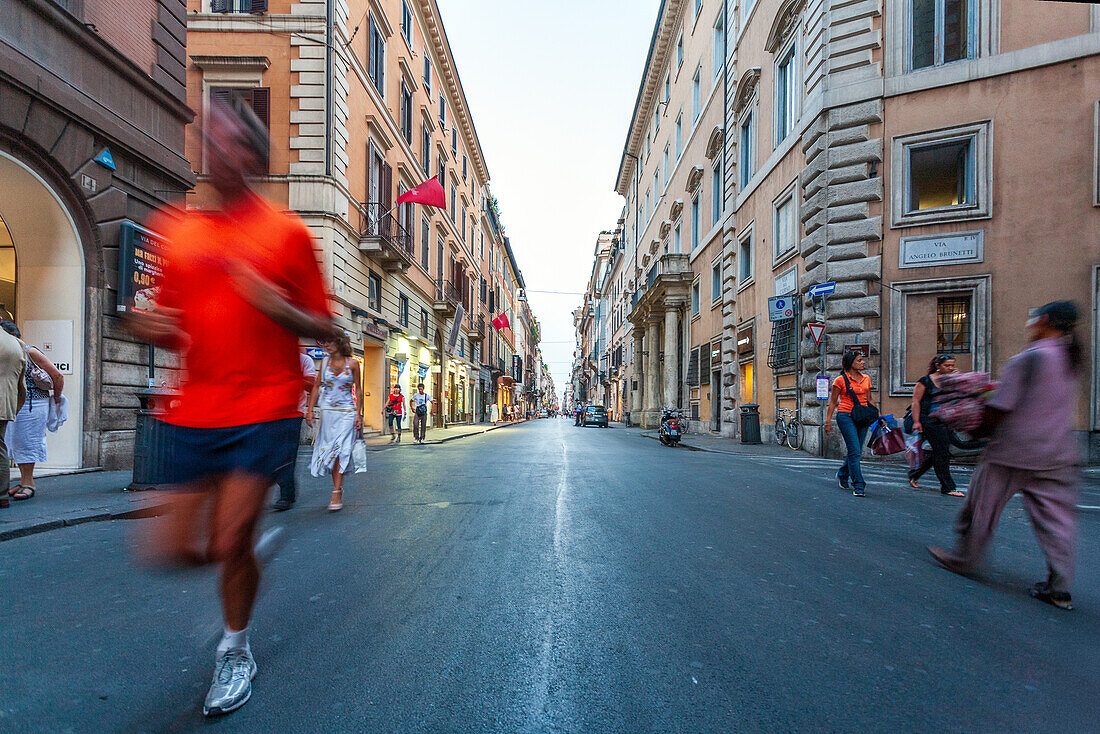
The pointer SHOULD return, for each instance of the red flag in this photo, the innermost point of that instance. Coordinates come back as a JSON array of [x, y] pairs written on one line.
[[501, 322], [429, 193]]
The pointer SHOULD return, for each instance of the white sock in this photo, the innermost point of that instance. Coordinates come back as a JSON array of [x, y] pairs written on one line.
[[233, 639]]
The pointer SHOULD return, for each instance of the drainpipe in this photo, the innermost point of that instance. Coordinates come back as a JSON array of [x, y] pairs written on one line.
[[328, 86]]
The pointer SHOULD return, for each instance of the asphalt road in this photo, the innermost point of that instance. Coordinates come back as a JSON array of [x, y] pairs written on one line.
[[552, 578]]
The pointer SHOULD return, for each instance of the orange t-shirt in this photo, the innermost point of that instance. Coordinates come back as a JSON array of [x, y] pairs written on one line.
[[862, 389], [240, 366]]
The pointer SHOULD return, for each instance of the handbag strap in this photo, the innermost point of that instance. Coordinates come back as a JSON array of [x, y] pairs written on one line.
[[851, 392]]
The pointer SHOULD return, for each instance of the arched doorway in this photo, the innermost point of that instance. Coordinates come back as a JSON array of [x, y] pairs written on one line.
[[42, 265]]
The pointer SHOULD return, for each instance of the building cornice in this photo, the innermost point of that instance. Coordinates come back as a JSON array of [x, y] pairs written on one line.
[[448, 73], [660, 47]]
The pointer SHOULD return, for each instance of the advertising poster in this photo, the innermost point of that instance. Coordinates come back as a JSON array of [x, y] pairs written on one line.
[[140, 267]]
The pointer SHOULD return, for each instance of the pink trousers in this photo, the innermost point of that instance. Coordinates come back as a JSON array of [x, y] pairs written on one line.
[[1050, 500]]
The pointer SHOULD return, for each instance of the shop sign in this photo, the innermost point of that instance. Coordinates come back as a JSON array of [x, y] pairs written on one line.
[[140, 268], [864, 349], [375, 331], [422, 371], [929, 250], [745, 341], [55, 339]]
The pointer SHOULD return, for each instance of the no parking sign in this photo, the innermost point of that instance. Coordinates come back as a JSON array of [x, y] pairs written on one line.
[[780, 308]]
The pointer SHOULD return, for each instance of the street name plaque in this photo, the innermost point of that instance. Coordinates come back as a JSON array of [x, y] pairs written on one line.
[[930, 250]]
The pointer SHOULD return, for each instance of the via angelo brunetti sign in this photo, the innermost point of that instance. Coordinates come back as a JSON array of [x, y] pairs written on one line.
[[140, 268]]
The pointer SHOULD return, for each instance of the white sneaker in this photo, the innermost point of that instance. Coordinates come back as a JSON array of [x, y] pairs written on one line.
[[232, 684]]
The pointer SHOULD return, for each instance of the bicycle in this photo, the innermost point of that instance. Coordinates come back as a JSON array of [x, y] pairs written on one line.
[[788, 429]]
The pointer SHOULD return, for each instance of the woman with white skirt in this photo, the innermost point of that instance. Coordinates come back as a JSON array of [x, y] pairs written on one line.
[[337, 394], [26, 435]]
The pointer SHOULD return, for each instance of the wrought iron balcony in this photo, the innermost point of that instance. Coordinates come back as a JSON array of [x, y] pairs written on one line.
[[476, 329], [383, 236], [447, 298]]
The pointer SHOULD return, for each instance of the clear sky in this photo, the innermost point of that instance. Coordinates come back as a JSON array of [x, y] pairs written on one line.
[[551, 87]]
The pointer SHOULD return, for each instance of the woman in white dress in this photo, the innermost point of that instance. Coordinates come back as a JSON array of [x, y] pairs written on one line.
[[26, 435], [337, 394]]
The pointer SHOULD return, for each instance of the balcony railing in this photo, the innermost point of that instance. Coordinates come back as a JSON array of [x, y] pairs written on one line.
[[380, 232], [670, 264]]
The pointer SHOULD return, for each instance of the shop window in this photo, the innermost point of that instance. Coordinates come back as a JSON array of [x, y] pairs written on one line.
[[941, 31], [374, 291], [953, 324], [748, 386], [403, 313]]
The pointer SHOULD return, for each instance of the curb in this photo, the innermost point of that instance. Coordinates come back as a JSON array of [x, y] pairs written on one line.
[[47, 525]]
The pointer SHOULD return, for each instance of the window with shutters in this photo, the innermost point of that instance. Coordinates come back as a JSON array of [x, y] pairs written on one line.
[[427, 74], [403, 312], [425, 235], [425, 149], [424, 323], [406, 22], [238, 6], [258, 100], [442, 111], [376, 55], [464, 164], [406, 112], [693, 368], [454, 139]]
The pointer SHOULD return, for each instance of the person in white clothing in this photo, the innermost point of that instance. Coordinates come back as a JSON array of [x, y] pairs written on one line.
[[420, 402], [336, 388], [25, 437], [288, 490]]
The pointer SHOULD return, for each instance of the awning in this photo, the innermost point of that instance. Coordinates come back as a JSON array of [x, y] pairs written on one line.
[[505, 381]]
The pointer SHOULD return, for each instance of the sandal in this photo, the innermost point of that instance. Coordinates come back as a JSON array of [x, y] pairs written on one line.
[[335, 506], [913, 484], [952, 493], [21, 492]]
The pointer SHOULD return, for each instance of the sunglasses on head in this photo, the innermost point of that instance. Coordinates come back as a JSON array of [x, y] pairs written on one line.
[[944, 357]]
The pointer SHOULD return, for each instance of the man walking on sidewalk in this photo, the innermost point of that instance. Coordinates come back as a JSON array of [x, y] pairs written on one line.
[[288, 488], [241, 284], [420, 402]]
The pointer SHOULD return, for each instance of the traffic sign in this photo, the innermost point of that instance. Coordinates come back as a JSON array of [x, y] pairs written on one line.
[[822, 289], [780, 308], [816, 332]]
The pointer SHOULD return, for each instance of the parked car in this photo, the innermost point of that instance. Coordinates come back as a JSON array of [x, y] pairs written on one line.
[[543, 414], [594, 415]]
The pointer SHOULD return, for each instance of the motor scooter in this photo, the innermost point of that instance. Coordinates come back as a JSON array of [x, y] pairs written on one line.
[[672, 426]]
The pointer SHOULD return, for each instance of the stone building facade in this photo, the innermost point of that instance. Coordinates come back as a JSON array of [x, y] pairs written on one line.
[[888, 148], [93, 111]]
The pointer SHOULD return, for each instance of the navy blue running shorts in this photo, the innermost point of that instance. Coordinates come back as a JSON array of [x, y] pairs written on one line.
[[256, 448]]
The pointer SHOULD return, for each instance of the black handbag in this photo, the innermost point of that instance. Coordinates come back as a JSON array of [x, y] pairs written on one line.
[[862, 415]]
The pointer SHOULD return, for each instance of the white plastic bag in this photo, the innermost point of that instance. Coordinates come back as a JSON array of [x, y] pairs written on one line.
[[359, 455]]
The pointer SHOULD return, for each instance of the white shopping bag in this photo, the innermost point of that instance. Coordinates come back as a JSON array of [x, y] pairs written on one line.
[[359, 455]]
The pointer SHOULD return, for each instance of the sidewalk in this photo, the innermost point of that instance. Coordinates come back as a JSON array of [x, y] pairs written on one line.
[[71, 499], [92, 496], [437, 435]]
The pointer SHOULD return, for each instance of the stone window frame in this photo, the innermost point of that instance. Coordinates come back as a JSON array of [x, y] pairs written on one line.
[[897, 17], [979, 288], [696, 298], [748, 233], [791, 192], [716, 293], [791, 48], [978, 133]]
